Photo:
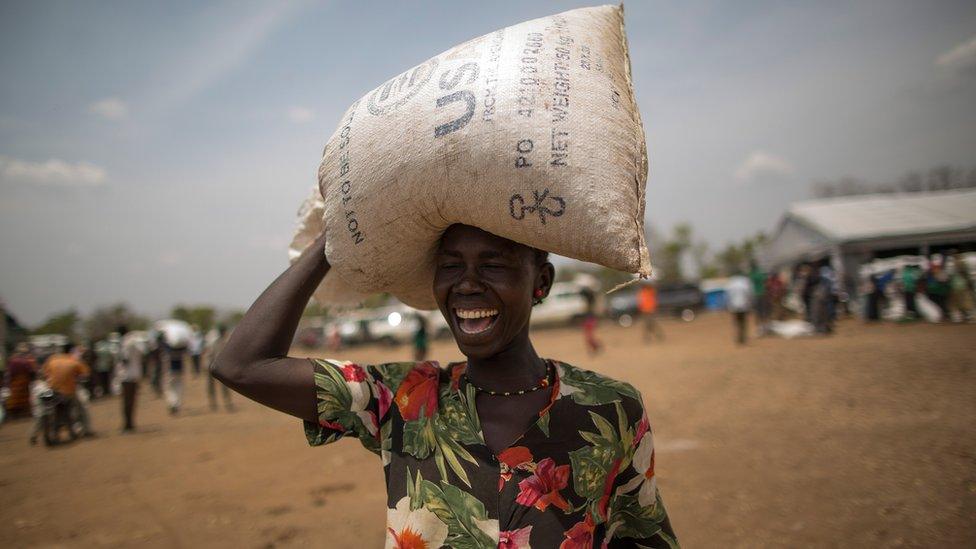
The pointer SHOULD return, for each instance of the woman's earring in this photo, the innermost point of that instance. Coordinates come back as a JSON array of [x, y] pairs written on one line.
[[538, 296]]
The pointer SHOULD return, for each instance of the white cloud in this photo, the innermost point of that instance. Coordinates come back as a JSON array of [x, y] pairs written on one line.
[[961, 57], [300, 115], [51, 172], [112, 108], [761, 164]]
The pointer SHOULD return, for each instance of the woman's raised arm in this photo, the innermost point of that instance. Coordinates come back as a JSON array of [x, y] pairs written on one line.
[[254, 362]]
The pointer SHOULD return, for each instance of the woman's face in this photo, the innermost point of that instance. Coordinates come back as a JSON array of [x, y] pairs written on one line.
[[484, 286]]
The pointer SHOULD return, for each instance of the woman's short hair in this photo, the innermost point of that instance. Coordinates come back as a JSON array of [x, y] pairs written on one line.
[[541, 256]]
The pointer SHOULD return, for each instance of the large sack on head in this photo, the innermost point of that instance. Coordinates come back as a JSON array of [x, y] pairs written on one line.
[[531, 133]]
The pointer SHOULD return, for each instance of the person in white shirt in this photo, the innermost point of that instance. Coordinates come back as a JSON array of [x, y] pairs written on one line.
[[738, 300], [132, 353], [196, 349]]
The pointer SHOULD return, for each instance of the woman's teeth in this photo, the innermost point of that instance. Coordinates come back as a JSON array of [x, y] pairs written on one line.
[[475, 313], [475, 321]]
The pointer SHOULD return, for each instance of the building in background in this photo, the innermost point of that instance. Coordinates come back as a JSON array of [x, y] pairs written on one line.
[[851, 231]]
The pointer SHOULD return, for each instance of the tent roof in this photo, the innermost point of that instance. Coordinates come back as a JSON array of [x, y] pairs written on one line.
[[854, 218], [812, 228]]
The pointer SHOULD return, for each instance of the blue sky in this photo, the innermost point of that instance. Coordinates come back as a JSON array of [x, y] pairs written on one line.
[[156, 153]]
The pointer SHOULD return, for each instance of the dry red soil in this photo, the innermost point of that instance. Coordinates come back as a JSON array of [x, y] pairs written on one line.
[[864, 439]]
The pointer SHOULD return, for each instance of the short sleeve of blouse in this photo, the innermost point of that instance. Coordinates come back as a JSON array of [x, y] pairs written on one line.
[[353, 400], [637, 516]]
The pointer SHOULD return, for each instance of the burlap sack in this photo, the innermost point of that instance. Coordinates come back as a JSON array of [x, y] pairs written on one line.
[[531, 133]]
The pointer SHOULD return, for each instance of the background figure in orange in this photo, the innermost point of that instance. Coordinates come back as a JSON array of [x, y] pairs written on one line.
[[647, 305], [62, 372], [21, 370], [593, 345]]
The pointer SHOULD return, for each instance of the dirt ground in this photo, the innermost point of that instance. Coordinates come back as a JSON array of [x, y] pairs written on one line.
[[864, 439]]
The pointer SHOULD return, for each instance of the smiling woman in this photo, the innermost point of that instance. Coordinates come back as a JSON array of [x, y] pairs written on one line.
[[506, 449]]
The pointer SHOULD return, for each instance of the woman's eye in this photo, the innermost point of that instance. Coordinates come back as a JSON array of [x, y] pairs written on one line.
[[449, 266]]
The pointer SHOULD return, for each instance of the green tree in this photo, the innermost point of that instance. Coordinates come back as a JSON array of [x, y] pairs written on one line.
[[201, 315], [737, 257], [65, 323], [730, 259], [105, 320], [671, 253]]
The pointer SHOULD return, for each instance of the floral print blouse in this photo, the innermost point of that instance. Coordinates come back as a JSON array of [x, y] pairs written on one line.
[[581, 476]]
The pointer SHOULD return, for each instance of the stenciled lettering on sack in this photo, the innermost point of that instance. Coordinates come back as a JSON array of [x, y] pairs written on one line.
[[522, 150], [543, 205], [528, 82], [399, 89], [562, 62], [491, 74], [345, 188], [450, 79]]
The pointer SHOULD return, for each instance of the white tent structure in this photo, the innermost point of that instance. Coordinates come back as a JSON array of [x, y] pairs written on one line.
[[853, 230]]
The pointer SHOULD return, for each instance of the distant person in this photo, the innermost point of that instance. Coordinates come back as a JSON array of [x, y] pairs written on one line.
[[960, 302], [875, 297], [593, 345], [196, 349], [86, 354], [810, 278], [21, 371], [910, 276], [937, 286], [775, 294], [647, 306], [62, 372], [738, 299], [822, 299], [174, 353], [420, 343], [760, 303], [154, 361], [132, 355], [105, 359], [333, 338], [215, 347]]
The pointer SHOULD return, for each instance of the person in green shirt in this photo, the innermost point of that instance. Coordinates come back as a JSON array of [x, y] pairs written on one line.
[[937, 287], [105, 355], [909, 285]]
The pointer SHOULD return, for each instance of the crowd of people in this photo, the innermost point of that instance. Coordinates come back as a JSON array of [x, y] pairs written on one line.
[[938, 288], [113, 367], [810, 292]]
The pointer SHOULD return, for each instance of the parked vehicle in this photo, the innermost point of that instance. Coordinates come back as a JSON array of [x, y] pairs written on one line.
[[684, 301], [680, 300], [565, 304], [392, 325]]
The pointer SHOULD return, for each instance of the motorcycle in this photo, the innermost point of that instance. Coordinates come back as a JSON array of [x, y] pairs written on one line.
[[58, 412]]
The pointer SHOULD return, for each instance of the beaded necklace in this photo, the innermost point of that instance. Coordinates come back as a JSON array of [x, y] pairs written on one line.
[[542, 384]]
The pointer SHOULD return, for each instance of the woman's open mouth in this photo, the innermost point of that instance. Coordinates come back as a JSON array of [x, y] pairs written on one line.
[[475, 321]]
